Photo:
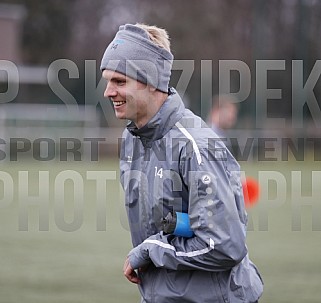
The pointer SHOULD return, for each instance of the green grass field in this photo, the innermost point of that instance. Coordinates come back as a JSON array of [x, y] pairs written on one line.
[[85, 265]]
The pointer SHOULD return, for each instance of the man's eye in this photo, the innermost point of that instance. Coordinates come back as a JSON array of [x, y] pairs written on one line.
[[120, 82]]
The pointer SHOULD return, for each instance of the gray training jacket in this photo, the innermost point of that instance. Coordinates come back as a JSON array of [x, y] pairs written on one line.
[[177, 163]]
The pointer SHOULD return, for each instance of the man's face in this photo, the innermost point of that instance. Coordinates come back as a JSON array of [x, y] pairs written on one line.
[[227, 116], [131, 99]]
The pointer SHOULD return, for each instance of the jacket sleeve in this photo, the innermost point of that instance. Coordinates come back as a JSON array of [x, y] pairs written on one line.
[[217, 216]]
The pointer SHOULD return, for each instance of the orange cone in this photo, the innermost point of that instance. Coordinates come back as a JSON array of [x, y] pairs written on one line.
[[251, 191]]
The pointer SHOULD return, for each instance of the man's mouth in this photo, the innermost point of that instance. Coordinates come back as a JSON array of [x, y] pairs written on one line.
[[118, 103]]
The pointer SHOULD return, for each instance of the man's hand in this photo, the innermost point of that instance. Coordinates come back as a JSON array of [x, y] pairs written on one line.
[[130, 273]]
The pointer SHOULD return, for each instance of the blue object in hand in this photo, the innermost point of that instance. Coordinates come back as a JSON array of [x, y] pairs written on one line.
[[183, 227], [177, 224]]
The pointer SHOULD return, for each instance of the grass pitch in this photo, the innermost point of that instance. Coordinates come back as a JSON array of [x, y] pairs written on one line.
[[85, 263]]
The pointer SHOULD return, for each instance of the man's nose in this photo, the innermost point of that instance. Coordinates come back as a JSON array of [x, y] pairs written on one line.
[[110, 90]]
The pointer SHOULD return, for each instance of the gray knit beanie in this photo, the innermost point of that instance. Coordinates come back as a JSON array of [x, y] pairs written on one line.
[[133, 54]]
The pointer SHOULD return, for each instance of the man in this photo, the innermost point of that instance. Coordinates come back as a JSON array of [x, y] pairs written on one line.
[[224, 113], [171, 162], [223, 116]]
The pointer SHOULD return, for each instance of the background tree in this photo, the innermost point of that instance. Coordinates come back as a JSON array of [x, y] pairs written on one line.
[[246, 30]]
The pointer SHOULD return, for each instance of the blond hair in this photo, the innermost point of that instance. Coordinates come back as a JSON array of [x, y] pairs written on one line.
[[157, 35]]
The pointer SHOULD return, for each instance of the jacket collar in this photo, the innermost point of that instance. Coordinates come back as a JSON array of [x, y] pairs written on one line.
[[170, 112]]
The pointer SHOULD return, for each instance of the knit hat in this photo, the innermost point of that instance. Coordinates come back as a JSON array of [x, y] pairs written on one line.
[[133, 54]]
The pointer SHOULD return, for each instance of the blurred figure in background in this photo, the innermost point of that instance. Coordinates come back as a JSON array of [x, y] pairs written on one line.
[[223, 115], [224, 112]]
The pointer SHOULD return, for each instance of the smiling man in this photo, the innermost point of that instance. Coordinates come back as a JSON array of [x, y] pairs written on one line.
[[170, 166], [132, 100]]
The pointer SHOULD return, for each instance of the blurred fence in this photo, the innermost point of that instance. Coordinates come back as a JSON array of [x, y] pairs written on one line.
[[60, 132], [47, 133]]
